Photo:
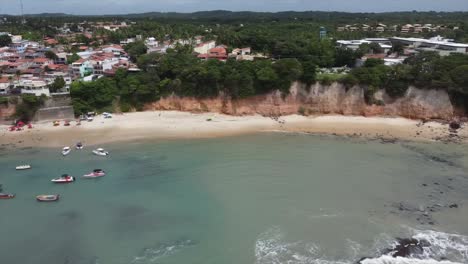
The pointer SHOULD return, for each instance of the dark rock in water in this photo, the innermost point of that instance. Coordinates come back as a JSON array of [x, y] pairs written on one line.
[[407, 247], [453, 206], [424, 184], [455, 125]]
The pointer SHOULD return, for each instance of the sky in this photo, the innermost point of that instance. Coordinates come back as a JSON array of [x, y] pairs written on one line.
[[96, 7]]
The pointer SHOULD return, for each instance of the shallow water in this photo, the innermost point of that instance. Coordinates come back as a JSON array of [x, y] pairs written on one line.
[[267, 198]]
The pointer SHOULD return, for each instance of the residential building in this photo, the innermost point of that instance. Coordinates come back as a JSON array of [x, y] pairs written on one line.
[[203, 48], [218, 53], [34, 86]]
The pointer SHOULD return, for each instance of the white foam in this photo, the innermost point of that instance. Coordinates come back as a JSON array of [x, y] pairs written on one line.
[[272, 248], [153, 255], [400, 260]]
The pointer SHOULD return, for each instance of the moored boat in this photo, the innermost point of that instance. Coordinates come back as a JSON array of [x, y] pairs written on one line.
[[47, 197], [95, 174], [23, 167], [65, 178], [100, 152], [66, 151], [79, 145], [7, 196]]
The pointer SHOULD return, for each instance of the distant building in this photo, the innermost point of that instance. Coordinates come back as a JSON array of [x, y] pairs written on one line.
[[323, 33], [438, 44], [203, 48], [384, 43]]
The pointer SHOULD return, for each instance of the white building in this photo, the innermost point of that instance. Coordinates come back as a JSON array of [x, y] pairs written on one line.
[[34, 86], [441, 45], [203, 48], [384, 43]]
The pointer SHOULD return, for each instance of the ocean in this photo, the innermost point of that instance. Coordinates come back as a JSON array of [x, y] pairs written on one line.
[[268, 198]]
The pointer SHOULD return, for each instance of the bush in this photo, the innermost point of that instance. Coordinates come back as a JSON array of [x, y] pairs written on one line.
[[125, 107], [4, 100], [302, 111]]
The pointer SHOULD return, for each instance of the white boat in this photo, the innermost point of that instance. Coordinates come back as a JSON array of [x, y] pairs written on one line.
[[100, 152], [66, 151], [107, 115], [64, 179], [90, 118], [79, 145], [23, 167], [95, 174]]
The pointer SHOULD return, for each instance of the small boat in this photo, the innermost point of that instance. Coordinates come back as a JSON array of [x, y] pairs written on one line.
[[47, 197], [66, 151], [65, 178], [7, 196], [79, 145], [100, 152], [90, 118], [107, 115], [56, 123], [95, 174], [23, 167], [67, 123]]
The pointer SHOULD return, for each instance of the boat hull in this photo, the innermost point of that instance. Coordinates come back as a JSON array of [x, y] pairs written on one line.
[[6, 196], [23, 167], [47, 198], [94, 175], [63, 181]]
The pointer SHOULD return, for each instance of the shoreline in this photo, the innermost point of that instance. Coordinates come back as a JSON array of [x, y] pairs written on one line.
[[175, 125]]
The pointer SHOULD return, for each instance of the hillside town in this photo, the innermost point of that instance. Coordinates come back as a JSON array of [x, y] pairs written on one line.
[[33, 67]]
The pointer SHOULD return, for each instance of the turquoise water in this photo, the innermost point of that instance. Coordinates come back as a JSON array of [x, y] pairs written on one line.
[[267, 198]]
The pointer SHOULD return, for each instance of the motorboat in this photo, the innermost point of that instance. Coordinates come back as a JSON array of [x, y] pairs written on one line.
[[48, 197], [95, 174], [100, 152], [107, 115], [7, 196], [79, 145], [66, 151], [65, 178], [23, 167]]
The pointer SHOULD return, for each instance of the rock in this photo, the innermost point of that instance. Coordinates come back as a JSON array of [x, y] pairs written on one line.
[[454, 125], [408, 247], [453, 206]]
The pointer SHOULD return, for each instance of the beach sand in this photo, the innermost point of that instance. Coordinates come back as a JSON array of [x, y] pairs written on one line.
[[173, 124]]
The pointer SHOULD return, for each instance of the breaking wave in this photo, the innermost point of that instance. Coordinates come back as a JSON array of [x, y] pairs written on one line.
[[443, 248]]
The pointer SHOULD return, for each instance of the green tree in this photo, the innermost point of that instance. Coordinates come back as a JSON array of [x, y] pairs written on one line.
[[50, 55], [5, 40], [72, 58], [58, 84], [136, 49], [459, 76]]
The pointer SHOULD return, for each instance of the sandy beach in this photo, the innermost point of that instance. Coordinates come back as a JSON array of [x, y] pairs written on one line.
[[173, 124]]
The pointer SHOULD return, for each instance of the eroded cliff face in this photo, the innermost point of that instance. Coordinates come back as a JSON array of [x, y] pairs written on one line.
[[5, 113], [320, 99]]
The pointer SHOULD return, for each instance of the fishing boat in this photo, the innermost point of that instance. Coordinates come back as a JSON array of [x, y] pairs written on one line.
[[95, 174], [79, 145], [5, 196], [23, 167], [66, 151], [65, 178], [100, 152], [47, 197]]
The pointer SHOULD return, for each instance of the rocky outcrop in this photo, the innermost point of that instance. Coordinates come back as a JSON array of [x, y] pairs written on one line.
[[321, 99]]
